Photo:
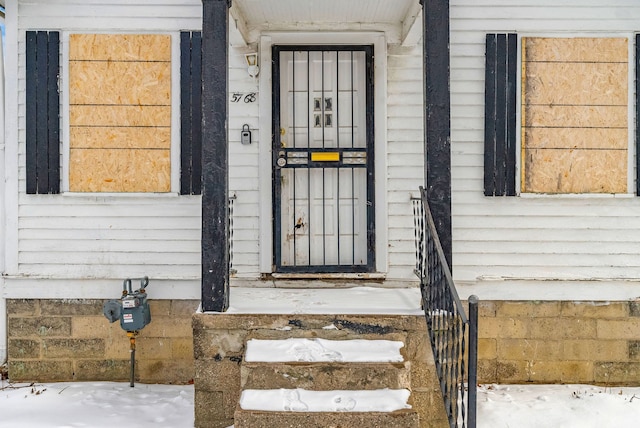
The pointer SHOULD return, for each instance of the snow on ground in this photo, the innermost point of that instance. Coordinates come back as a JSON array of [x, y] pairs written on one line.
[[95, 405], [111, 404], [558, 406], [353, 300]]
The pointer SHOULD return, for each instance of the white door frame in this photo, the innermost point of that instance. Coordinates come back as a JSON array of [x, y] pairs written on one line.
[[377, 39]]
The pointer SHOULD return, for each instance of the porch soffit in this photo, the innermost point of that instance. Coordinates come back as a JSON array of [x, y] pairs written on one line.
[[399, 19]]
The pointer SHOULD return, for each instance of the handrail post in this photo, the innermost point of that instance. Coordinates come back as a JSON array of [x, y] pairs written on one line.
[[472, 382]]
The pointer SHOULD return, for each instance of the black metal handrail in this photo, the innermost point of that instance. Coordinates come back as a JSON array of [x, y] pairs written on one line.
[[450, 330]]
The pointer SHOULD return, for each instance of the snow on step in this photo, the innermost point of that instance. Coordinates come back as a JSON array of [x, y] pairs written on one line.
[[302, 400], [323, 350]]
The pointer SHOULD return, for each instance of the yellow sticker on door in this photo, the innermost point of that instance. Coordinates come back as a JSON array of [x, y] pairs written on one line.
[[325, 157]]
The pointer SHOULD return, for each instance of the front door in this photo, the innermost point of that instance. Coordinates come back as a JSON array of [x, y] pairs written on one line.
[[323, 159]]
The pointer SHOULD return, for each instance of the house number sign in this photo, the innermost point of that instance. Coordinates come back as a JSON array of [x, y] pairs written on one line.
[[245, 97]]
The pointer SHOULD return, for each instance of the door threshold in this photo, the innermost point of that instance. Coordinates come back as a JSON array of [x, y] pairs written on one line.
[[376, 276]]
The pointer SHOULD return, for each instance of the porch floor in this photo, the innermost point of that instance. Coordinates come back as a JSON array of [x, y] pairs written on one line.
[[355, 300]]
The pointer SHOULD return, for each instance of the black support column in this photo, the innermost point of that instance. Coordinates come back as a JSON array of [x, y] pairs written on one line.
[[437, 117], [215, 156]]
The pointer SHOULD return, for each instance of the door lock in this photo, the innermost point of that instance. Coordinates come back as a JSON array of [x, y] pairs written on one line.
[[245, 135], [282, 160]]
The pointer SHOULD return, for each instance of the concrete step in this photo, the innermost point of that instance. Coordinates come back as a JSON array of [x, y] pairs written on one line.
[[300, 408], [325, 375], [323, 350], [320, 383], [406, 418]]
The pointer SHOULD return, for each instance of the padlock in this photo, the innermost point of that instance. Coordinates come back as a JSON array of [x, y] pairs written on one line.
[[245, 135]]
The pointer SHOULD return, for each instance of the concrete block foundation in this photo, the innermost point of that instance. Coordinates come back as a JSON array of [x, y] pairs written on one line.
[[70, 339], [559, 342]]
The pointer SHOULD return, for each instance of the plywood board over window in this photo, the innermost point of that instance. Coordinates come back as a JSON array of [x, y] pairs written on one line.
[[574, 115], [120, 113]]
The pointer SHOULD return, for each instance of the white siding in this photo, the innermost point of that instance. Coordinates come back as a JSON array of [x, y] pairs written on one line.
[[117, 236], [243, 169], [538, 237], [111, 236], [405, 165]]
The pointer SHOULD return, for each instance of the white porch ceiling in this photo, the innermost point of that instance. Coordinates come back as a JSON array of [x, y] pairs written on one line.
[[399, 19]]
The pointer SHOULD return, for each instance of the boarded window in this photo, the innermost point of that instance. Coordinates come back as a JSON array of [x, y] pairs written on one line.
[[574, 115], [120, 113]]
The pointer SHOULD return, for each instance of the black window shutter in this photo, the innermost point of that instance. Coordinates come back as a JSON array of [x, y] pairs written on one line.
[[42, 112], [500, 115], [190, 112]]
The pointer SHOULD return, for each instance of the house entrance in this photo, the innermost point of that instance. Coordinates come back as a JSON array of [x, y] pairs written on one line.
[[323, 159]]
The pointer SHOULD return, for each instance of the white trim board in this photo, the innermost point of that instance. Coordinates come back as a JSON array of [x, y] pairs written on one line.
[[43, 288], [11, 134], [254, 294], [553, 290], [2, 155], [245, 294]]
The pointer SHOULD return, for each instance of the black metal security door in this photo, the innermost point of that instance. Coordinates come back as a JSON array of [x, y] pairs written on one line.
[[323, 159]]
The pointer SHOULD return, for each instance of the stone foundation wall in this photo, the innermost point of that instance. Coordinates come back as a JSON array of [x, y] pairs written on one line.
[[559, 342], [64, 340]]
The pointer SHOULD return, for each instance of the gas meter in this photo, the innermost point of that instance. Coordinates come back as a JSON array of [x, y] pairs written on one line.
[[132, 309]]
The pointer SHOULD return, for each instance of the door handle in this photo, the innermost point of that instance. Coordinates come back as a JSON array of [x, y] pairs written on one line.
[[282, 160]]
